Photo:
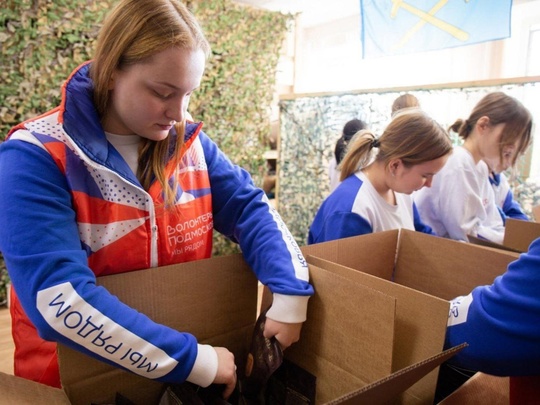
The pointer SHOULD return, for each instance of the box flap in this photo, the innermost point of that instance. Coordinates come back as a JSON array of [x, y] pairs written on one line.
[[520, 234], [481, 389], [420, 324], [17, 390], [178, 296], [536, 213], [348, 337], [387, 389], [446, 268], [487, 243], [375, 252]]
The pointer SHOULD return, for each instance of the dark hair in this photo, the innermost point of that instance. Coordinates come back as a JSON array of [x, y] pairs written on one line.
[[411, 136], [349, 130], [500, 108]]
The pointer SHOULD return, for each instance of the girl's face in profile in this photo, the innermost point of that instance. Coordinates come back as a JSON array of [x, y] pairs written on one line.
[[148, 98], [407, 180], [492, 150]]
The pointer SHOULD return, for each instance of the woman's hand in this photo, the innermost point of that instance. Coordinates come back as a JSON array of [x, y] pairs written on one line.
[[226, 373], [285, 333]]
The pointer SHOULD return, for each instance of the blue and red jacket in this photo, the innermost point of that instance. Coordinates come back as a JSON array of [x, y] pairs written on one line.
[[72, 209]]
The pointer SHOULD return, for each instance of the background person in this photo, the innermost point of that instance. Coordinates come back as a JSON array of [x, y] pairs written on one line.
[[406, 100], [461, 201], [349, 130], [115, 180], [378, 177]]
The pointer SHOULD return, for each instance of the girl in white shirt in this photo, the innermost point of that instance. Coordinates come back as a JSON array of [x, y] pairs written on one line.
[[461, 201]]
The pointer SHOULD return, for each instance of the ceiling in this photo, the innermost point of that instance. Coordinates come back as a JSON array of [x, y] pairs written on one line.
[[312, 12]]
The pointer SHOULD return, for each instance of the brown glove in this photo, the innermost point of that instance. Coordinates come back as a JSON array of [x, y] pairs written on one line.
[[265, 357]]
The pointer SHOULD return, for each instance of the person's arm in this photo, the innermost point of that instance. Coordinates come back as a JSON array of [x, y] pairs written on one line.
[[338, 225], [40, 242], [512, 209], [501, 322], [420, 226], [243, 214]]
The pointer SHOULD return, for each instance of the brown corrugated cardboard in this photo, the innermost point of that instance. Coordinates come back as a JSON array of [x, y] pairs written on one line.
[[481, 389], [358, 336], [536, 213], [16, 390], [413, 342], [490, 244], [520, 234], [437, 266]]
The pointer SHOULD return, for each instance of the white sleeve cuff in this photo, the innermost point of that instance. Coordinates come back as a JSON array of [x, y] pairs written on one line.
[[205, 368], [288, 308]]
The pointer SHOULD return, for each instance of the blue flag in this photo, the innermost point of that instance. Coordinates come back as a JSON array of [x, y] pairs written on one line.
[[394, 27]]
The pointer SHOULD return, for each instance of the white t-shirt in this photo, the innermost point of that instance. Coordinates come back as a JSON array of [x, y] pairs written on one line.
[[128, 147], [461, 200]]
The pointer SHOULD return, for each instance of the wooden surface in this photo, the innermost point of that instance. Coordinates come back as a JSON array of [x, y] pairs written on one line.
[[6, 342]]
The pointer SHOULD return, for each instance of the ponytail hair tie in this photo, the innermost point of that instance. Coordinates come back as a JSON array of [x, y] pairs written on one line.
[[375, 143]]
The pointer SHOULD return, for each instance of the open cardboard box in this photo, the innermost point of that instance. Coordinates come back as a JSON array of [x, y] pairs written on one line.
[[536, 213], [374, 333], [518, 235]]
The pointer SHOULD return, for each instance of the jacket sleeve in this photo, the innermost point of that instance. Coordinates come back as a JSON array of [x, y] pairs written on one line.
[[243, 213], [512, 209], [501, 322], [338, 225], [418, 224], [48, 267]]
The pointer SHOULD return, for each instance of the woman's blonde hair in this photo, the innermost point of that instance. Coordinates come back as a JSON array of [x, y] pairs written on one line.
[[500, 108], [411, 136], [132, 33]]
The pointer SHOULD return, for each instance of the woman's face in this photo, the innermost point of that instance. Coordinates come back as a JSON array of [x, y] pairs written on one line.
[[407, 180], [148, 98], [491, 149]]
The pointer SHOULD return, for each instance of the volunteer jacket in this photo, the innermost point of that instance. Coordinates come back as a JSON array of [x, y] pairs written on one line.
[[504, 198], [460, 201], [501, 324], [356, 208], [72, 209]]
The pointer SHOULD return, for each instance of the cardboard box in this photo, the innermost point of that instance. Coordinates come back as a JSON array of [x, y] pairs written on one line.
[[481, 389], [536, 213], [518, 235], [375, 327]]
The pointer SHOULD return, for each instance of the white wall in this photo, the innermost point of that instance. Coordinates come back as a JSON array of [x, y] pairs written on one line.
[[328, 58]]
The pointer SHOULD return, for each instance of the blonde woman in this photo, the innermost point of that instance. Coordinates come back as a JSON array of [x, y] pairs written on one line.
[[116, 180], [378, 177]]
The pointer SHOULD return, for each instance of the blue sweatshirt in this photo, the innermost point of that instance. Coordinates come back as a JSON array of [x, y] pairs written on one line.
[[508, 207], [501, 322]]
